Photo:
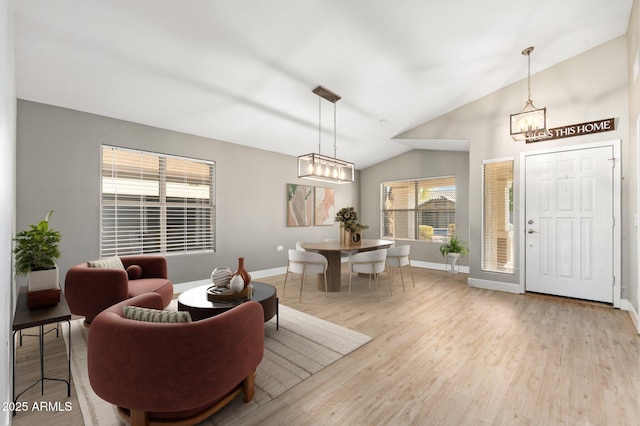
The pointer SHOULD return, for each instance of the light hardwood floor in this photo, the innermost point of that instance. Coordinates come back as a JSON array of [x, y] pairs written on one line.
[[446, 354]]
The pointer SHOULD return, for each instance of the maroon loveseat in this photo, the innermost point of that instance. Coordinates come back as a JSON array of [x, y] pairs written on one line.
[[89, 291], [174, 371]]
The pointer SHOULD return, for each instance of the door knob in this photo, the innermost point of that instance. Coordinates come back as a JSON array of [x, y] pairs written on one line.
[[530, 221], [531, 231]]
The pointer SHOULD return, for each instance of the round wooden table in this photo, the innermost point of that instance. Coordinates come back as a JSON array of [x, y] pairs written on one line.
[[332, 249], [196, 302]]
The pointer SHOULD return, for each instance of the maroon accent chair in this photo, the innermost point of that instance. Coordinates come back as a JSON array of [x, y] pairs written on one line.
[[158, 373], [90, 291]]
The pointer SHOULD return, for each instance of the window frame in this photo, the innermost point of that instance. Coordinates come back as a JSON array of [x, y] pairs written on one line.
[[483, 236], [416, 210], [205, 218]]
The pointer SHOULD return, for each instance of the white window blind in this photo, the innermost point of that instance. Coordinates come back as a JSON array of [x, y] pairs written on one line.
[[419, 209], [497, 213], [155, 203]]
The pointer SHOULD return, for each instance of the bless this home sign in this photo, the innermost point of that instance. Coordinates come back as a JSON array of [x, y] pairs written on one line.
[[599, 126]]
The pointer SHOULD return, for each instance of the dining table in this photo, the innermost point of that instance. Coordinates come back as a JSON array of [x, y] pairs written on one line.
[[333, 249]]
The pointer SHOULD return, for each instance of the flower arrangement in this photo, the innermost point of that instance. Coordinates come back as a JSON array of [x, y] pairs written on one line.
[[349, 218]]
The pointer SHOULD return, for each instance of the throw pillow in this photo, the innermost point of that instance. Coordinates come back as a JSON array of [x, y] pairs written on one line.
[[155, 315], [108, 262], [134, 272]]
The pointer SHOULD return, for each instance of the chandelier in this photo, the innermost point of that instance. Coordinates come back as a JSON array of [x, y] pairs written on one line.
[[321, 167], [531, 121]]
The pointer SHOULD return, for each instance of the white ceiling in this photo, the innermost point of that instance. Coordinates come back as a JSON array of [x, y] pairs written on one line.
[[242, 70]]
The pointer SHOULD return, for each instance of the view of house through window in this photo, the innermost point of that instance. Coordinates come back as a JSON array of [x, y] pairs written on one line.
[[155, 203], [419, 209], [497, 213]]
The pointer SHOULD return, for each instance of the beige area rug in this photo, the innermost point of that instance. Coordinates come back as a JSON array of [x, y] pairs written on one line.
[[301, 347]]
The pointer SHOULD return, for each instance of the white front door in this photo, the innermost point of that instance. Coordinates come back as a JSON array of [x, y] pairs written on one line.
[[569, 223]]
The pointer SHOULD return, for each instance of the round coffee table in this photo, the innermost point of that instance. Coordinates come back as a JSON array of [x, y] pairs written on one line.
[[196, 302]]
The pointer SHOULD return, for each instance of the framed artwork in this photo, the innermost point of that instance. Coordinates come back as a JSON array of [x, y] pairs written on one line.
[[325, 206], [299, 205]]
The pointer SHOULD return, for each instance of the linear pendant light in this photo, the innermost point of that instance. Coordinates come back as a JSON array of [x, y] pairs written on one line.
[[321, 167]]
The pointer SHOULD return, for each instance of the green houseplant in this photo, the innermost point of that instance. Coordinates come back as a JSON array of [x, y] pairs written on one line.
[[454, 246], [36, 253]]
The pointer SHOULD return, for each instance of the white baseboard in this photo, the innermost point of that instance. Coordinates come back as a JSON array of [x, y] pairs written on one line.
[[181, 287], [626, 305], [494, 285], [437, 266]]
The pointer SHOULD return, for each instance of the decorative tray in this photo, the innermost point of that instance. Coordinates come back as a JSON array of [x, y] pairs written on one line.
[[217, 293]]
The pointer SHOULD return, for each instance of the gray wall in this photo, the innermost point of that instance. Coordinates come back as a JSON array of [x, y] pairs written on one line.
[[58, 168], [7, 198], [587, 87], [412, 165]]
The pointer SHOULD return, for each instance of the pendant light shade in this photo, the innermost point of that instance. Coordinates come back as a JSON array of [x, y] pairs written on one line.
[[531, 121]]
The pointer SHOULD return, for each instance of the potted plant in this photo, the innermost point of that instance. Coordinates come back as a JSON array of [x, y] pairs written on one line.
[[453, 247], [36, 253]]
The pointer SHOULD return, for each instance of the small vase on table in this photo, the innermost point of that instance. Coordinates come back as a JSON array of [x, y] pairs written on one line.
[[243, 272]]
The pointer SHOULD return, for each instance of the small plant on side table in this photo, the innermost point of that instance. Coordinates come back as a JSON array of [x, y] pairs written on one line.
[[36, 253]]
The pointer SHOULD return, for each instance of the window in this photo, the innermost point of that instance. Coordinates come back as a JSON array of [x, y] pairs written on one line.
[[419, 209], [497, 216], [155, 203]]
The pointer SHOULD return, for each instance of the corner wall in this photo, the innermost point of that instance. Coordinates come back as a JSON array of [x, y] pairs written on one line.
[[7, 199], [59, 169], [587, 87], [411, 165], [633, 54]]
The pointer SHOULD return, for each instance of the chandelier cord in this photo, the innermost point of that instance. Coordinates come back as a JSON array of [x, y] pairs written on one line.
[[529, 74], [319, 124], [335, 145]]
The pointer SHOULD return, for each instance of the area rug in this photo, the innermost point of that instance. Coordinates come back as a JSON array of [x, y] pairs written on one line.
[[301, 347]]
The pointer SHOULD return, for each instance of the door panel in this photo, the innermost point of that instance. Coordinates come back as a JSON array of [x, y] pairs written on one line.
[[569, 223]]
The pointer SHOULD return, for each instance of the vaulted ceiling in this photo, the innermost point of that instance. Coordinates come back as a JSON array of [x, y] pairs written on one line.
[[243, 71]]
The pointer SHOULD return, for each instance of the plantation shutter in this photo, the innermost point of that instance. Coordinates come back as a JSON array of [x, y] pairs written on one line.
[[497, 211], [154, 203]]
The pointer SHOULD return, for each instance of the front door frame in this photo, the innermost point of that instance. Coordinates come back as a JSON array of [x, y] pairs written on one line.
[[617, 206]]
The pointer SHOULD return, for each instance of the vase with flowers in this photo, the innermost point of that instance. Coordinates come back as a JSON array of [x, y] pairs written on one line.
[[350, 228]]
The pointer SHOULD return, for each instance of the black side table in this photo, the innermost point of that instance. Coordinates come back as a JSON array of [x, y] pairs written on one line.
[[27, 318]]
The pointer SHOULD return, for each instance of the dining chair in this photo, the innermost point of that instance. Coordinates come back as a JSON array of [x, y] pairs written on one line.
[[397, 257], [368, 262], [299, 246], [305, 263]]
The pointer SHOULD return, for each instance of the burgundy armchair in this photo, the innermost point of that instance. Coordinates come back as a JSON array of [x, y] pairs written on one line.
[[89, 291], [174, 372]]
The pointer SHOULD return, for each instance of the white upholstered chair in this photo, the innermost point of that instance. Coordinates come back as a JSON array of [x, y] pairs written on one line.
[[397, 257], [368, 262], [305, 263], [299, 246]]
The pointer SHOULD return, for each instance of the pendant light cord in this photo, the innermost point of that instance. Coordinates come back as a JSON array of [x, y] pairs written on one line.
[[529, 74], [335, 144], [319, 124]]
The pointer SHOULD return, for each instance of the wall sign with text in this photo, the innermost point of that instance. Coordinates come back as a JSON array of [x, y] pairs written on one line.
[[598, 126]]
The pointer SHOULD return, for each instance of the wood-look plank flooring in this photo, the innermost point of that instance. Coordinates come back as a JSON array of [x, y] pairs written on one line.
[[443, 354]]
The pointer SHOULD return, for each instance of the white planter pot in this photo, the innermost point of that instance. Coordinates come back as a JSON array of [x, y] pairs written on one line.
[[42, 280]]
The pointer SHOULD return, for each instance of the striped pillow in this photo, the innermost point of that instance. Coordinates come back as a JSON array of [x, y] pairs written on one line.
[[108, 262], [155, 315]]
